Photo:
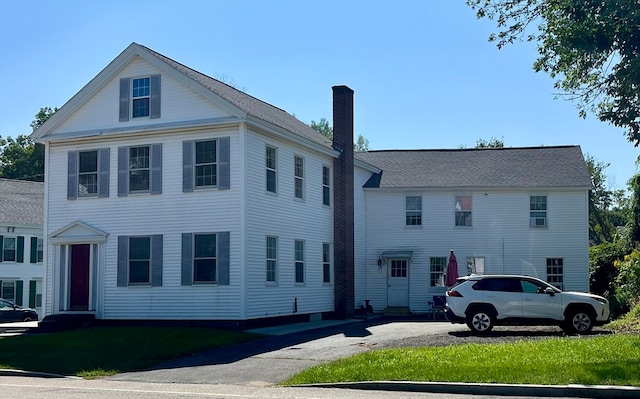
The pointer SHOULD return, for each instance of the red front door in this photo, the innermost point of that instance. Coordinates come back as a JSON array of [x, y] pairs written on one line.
[[79, 287]]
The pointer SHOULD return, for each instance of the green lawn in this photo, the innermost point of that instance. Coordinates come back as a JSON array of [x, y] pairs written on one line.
[[601, 360], [101, 351]]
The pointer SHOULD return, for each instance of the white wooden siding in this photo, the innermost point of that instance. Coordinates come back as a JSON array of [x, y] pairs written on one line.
[[289, 219], [178, 104], [170, 214], [500, 233]]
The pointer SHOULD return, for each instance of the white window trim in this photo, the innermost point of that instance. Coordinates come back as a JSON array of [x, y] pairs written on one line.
[[440, 279], [15, 248], [274, 170], [193, 261], [148, 169], [297, 178], [12, 282], [545, 219], [456, 210], [297, 261], [96, 173], [275, 261], [406, 212], [327, 186], [475, 262], [148, 282], [133, 98], [196, 164], [328, 264]]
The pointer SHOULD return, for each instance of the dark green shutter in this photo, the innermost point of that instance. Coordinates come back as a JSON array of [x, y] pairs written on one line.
[[223, 258], [224, 168], [154, 97], [1, 250], [187, 259], [124, 99], [156, 169], [20, 249], [72, 175], [156, 260], [34, 250], [103, 172], [32, 293], [123, 171], [123, 260], [19, 292], [187, 166]]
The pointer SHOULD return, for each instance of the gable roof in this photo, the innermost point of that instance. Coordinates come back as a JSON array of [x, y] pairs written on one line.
[[532, 167], [235, 101], [21, 202]]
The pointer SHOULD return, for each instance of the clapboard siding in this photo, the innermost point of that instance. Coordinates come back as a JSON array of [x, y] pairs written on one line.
[[360, 231], [500, 233], [170, 214], [289, 219], [178, 104]]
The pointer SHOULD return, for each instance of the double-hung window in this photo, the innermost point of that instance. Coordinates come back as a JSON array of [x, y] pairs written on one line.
[[139, 260], [9, 250], [8, 290], [413, 211], [436, 271], [555, 271], [475, 265], [139, 169], [37, 250], [298, 167], [299, 261], [205, 258], [326, 186], [463, 210], [88, 173], [538, 211], [271, 175], [140, 95], [272, 259], [206, 164], [326, 262]]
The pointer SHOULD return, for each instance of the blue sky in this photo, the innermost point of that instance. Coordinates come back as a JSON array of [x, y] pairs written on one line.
[[423, 72]]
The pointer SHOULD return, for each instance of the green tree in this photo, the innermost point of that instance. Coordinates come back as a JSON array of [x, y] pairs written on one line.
[[590, 47], [323, 127], [491, 143], [600, 200], [21, 158]]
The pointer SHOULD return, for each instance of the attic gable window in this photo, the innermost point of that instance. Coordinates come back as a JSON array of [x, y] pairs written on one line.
[[140, 97]]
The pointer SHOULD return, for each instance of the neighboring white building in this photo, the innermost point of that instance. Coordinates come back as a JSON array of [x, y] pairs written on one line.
[[21, 243], [171, 195]]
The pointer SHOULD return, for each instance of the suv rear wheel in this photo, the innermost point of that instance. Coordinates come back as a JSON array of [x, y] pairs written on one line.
[[480, 320], [578, 321]]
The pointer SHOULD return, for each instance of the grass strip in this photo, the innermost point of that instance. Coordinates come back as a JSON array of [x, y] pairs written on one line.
[[602, 360], [102, 351]]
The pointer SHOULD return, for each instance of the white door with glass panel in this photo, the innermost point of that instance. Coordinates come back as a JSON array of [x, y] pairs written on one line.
[[398, 283]]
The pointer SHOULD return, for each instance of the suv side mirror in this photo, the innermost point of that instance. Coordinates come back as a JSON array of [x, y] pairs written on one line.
[[549, 291]]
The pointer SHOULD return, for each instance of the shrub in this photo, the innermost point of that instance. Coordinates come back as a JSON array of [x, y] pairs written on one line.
[[627, 290], [602, 271]]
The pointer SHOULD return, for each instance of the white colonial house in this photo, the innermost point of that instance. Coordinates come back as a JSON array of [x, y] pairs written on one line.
[[21, 242], [173, 196]]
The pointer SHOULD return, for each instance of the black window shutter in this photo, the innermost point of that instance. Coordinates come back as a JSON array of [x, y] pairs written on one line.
[[34, 250], [20, 250], [156, 169], [154, 97], [103, 172], [187, 258], [32, 293], [156, 260], [224, 169], [223, 258], [187, 165], [19, 292], [124, 99], [123, 171], [123, 260], [1, 250], [72, 175]]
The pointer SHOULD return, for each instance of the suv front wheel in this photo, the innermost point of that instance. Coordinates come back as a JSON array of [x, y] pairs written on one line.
[[480, 320], [578, 321]]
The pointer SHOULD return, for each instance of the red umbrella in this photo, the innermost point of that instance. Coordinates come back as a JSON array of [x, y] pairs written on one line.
[[452, 270]]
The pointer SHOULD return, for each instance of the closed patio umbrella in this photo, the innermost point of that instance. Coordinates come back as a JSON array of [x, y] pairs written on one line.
[[452, 270]]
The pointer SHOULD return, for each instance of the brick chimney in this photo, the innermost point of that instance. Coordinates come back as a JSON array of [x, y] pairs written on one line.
[[343, 232]]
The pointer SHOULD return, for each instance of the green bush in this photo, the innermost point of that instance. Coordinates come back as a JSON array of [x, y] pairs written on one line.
[[627, 286], [602, 270]]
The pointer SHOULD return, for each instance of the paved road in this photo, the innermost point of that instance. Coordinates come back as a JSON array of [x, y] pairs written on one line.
[[270, 361]]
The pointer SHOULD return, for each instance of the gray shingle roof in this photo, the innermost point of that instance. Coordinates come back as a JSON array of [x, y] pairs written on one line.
[[21, 202], [248, 104], [561, 166]]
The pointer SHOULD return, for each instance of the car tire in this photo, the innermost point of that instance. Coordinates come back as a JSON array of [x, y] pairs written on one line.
[[480, 320], [579, 321]]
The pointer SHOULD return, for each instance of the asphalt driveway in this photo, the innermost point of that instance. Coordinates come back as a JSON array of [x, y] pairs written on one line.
[[273, 359]]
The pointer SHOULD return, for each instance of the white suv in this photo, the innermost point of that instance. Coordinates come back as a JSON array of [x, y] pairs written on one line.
[[488, 300]]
